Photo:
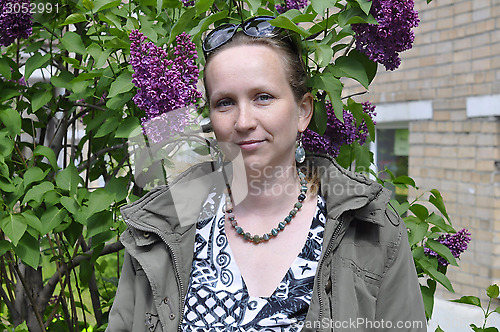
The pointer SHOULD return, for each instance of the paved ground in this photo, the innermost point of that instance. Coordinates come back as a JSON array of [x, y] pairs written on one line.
[[456, 317]]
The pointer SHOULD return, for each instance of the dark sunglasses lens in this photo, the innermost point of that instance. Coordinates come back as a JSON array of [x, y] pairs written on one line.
[[259, 27], [219, 37]]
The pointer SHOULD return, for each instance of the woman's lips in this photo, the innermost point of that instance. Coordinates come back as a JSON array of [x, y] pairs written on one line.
[[250, 144]]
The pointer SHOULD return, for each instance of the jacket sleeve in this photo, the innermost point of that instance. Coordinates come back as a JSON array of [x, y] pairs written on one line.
[[122, 313], [399, 305]]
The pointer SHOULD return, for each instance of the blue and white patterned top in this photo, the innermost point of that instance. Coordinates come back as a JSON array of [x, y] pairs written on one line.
[[218, 300]]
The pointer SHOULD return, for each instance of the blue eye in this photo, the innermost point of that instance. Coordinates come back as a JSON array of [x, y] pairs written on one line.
[[264, 97], [224, 103]]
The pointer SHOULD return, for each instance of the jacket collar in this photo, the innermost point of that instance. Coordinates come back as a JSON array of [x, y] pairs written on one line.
[[169, 209]]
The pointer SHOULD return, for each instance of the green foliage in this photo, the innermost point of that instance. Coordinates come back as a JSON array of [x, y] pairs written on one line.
[[61, 194], [492, 292]]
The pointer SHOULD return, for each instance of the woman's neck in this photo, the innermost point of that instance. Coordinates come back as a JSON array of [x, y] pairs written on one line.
[[264, 190]]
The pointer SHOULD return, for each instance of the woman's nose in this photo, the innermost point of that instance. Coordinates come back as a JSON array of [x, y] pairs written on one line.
[[245, 119]]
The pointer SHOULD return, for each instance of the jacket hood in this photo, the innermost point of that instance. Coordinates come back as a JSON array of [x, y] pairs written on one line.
[[175, 207]]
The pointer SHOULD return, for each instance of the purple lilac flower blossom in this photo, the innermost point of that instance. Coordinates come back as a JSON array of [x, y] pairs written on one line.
[[337, 133], [14, 20], [291, 4], [188, 3], [384, 41], [457, 243], [165, 82]]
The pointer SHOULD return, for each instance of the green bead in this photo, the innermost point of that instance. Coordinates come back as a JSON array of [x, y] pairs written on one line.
[[293, 213], [303, 182], [256, 239], [288, 219], [298, 205], [265, 237], [274, 232], [239, 230], [281, 226], [247, 236], [303, 189]]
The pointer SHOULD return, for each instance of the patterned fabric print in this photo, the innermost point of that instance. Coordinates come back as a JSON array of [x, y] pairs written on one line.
[[218, 300]]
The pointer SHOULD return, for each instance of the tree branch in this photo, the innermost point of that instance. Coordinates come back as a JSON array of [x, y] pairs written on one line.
[[11, 308], [49, 288], [96, 155]]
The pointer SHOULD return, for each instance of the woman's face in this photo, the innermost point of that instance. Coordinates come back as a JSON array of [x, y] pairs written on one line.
[[252, 106]]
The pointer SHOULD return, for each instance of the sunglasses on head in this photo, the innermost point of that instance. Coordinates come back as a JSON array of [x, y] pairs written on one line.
[[258, 26]]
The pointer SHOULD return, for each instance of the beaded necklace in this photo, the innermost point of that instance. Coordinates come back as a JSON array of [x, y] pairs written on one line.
[[256, 239]]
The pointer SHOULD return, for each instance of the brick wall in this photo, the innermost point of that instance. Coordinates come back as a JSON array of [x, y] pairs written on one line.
[[456, 55]]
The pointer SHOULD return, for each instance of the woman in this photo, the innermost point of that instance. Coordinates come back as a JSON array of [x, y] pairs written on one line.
[[272, 249]]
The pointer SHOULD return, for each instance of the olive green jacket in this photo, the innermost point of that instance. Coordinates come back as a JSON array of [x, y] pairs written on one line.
[[365, 281]]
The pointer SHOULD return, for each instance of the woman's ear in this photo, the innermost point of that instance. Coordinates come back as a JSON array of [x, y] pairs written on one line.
[[306, 108]]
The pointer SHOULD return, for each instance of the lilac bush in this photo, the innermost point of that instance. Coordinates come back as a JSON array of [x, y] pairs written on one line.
[[457, 243], [165, 82], [383, 42], [291, 4], [338, 133], [15, 22]]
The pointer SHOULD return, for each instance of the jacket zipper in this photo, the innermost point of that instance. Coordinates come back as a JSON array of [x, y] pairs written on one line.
[[174, 259], [328, 250]]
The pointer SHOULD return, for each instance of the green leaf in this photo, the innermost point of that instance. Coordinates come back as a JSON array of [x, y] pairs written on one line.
[[40, 98], [100, 56], [117, 102], [118, 188], [369, 65], [4, 247], [180, 26], [404, 179], [105, 4], [86, 270], [254, 6], [14, 226], [202, 6], [70, 204], [472, 300], [99, 223], [400, 208], [5, 69], [34, 62], [62, 80], [41, 150], [12, 120], [127, 126], [346, 66], [437, 200], [52, 218], [353, 16], [73, 42], [99, 200], [33, 174], [323, 54], [320, 6], [320, 117], [6, 185], [75, 18], [440, 222], [420, 211], [6, 144], [418, 230], [206, 22], [36, 193], [493, 291], [28, 250], [122, 84], [442, 250], [284, 22], [33, 221], [107, 127], [365, 5], [333, 87], [68, 179], [438, 329], [435, 274]]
